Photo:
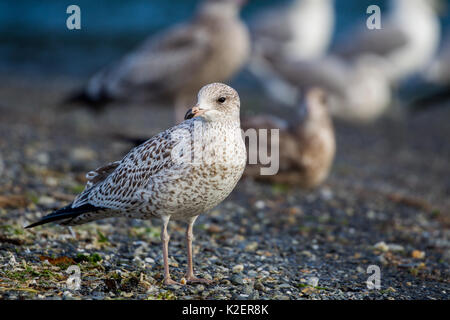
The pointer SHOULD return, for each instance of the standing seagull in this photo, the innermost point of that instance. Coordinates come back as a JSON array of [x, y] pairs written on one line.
[[171, 66], [306, 145], [408, 40], [179, 173]]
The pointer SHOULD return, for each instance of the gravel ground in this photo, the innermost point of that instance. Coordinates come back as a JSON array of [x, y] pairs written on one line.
[[386, 204]]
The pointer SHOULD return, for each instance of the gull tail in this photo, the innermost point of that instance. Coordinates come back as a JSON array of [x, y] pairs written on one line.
[[431, 99], [65, 213]]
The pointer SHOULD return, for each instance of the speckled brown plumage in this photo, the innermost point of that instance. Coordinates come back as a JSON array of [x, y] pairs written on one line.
[[177, 174], [306, 146]]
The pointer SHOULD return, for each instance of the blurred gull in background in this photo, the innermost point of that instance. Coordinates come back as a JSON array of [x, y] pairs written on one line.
[[408, 40], [357, 91], [172, 66], [433, 87], [438, 72], [306, 145], [298, 30]]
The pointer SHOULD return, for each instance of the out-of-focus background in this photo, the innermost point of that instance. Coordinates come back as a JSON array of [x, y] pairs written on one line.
[[35, 39], [386, 201]]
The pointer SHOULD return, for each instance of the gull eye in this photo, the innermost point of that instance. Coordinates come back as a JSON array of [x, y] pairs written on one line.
[[221, 99]]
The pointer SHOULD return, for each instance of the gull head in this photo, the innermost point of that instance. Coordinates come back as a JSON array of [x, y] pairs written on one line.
[[216, 102], [313, 105]]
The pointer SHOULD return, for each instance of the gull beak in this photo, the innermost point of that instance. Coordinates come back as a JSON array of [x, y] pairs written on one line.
[[194, 112]]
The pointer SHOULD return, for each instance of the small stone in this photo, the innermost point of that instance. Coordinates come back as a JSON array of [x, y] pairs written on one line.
[[218, 276], [200, 288], [97, 295], [309, 290], [175, 287], [51, 181], [417, 254], [237, 279], [43, 158], [371, 215], [254, 295], [252, 273], [149, 260], [248, 289], [238, 268], [382, 259], [259, 286], [46, 201], [252, 246], [313, 281], [83, 154], [306, 253], [395, 247], [326, 194], [208, 276], [260, 205], [382, 246], [214, 228]]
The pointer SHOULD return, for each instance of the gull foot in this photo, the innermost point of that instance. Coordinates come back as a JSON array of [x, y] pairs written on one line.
[[169, 281], [193, 279]]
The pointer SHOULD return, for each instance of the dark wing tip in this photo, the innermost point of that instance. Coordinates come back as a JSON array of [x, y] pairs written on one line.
[[34, 224], [65, 213]]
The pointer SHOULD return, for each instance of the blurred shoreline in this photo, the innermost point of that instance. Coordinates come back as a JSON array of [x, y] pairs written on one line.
[[35, 39]]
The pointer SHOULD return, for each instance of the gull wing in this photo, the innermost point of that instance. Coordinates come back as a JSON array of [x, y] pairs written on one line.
[[382, 42], [160, 66], [117, 186]]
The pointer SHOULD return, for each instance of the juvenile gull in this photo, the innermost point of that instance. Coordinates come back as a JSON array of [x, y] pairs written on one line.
[[177, 174], [408, 40], [171, 66], [306, 145]]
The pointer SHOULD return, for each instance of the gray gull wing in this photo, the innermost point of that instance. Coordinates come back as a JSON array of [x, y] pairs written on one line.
[[382, 42]]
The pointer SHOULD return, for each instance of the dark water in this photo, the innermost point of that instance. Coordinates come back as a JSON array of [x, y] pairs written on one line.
[[34, 37]]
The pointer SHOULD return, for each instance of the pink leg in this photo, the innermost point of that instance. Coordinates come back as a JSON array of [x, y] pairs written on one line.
[[190, 277], [165, 242]]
